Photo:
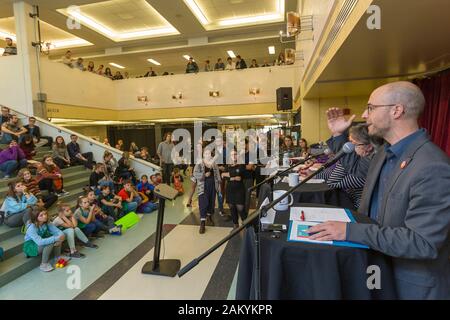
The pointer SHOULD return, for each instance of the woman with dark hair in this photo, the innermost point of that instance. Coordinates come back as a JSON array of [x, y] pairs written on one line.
[[17, 204], [235, 193], [288, 149], [305, 151], [108, 73], [91, 66], [50, 177], [60, 154], [28, 147]]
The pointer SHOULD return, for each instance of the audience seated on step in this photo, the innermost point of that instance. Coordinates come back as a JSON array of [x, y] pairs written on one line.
[[60, 155], [87, 222], [50, 177], [66, 222], [12, 130], [32, 185], [110, 164], [28, 147], [110, 203], [76, 157], [106, 220], [124, 170], [5, 115], [35, 131], [17, 205], [145, 190], [130, 197], [120, 145], [156, 179], [42, 237], [240, 63], [144, 155], [12, 159], [98, 178], [133, 148]]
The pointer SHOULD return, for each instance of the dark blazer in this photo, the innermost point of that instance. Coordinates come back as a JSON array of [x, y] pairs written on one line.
[[36, 131], [241, 64], [413, 220]]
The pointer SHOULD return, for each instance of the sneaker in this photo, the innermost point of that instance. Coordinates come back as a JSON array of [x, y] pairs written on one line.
[[91, 245], [62, 193], [77, 254], [116, 231], [202, 227], [46, 267]]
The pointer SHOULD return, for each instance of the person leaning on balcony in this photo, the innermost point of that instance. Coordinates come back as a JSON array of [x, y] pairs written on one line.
[[91, 67], [240, 63], [191, 66], [219, 66], [100, 70], [207, 66], [150, 73], [10, 49], [67, 59], [230, 64]]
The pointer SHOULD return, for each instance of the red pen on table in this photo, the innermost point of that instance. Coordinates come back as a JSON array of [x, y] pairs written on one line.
[[302, 216]]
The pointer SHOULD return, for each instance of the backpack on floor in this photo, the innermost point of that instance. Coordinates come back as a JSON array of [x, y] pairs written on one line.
[[128, 221]]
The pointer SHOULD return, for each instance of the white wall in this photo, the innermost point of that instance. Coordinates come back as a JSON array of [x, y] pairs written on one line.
[[233, 86], [64, 85], [12, 86], [74, 87]]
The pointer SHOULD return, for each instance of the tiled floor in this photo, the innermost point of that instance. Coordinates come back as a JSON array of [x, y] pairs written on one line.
[[113, 270]]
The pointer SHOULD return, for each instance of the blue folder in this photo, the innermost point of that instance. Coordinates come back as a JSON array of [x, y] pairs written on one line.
[[335, 243]]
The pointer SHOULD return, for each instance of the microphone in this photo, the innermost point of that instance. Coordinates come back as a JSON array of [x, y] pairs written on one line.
[[347, 148]]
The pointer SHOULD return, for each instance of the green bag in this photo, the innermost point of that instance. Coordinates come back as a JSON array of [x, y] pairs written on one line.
[[128, 221], [30, 248]]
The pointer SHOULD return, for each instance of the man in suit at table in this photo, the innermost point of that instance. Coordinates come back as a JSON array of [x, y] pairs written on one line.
[[408, 193]]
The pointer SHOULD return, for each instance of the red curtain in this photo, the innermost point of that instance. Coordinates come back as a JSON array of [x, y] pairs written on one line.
[[436, 116]]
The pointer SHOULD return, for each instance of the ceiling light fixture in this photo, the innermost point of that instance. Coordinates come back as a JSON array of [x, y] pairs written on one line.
[[186, 57], [196, 11], [231, 54], [247, 20], [116, 65], [154, 62], [272, 50]]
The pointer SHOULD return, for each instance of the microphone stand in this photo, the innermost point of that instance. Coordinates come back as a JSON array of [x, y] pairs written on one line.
[[247, 222]]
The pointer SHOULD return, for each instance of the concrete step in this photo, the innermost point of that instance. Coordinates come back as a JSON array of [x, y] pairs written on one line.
[[68, 177], [7, 232], [16, 266], [13, 246]]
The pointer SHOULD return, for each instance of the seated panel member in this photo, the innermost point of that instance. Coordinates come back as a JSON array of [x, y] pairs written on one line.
[[407, 193]]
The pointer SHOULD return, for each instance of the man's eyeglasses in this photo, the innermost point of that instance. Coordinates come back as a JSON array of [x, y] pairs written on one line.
[[371, 107]]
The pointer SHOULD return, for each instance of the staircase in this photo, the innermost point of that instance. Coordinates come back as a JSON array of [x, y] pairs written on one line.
[[14, 263]]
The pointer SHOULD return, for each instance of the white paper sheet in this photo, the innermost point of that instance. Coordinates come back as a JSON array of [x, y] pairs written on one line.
[[286, 180], [319, 214], [295, 235]]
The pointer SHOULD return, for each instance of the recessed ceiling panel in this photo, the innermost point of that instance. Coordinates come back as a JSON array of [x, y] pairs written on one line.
[[122, 20], [218, 14], [49, 34]]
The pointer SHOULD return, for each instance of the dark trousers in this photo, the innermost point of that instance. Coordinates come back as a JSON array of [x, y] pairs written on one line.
[[237, 210], [47, 184], [248, 183], [88, 164], [206, 201], [167, 172], [49, 200], [60, 162]]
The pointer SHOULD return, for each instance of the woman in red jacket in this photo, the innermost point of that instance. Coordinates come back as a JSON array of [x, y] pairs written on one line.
[[50, 177]]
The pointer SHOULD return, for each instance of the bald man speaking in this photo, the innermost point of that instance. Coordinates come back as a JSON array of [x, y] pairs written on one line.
[[408, 193]]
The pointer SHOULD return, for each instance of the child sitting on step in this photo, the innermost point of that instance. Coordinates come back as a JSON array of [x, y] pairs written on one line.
[[110, 203], [66, 222], [42, 237], [100, 216]]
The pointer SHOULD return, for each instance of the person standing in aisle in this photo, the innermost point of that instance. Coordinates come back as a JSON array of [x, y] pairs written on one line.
[[165, 157]]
